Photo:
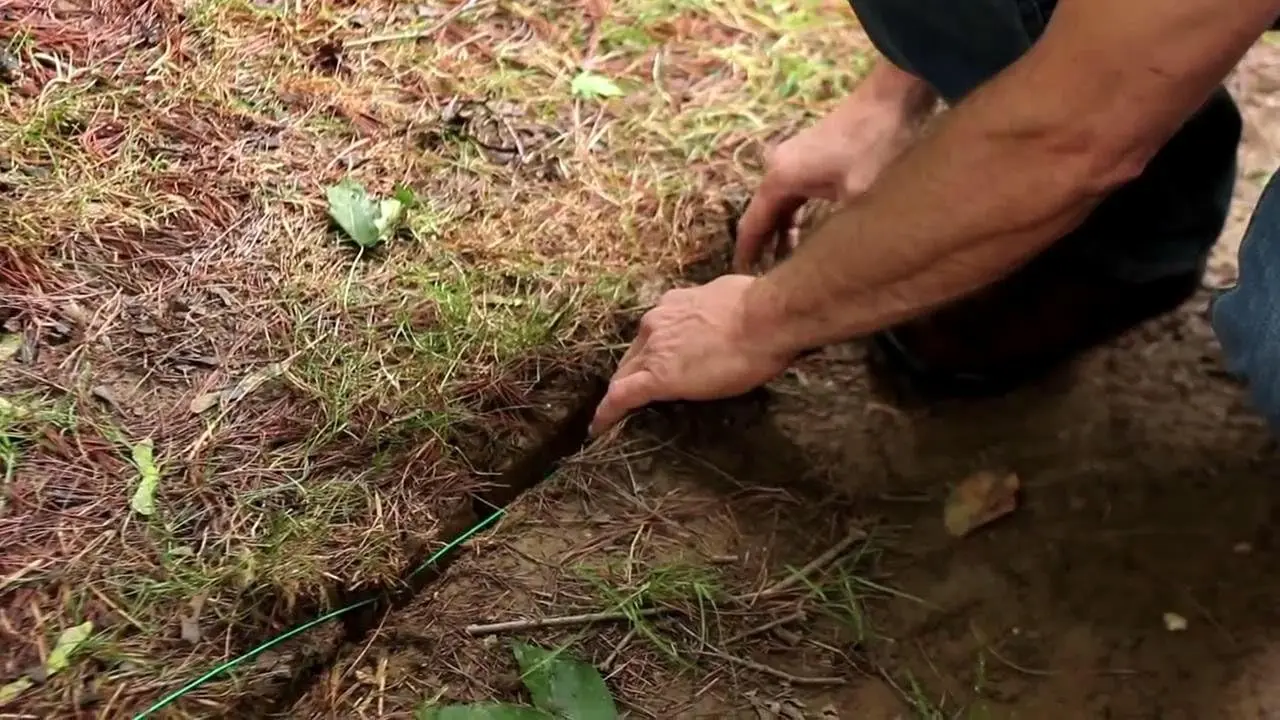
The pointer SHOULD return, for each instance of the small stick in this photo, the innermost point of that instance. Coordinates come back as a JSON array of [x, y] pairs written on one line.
[[617, 649], [562, 621], [1024, 670], [787, 636], [777, 588], [796, 616], [989, 647], [413, 34], [780, 674], [813, 566]]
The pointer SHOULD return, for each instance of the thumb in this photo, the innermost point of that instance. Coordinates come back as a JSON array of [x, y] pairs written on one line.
[[626, 394]]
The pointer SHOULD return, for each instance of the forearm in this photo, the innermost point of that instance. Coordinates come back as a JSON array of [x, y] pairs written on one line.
[[1008, 171], [964, 206]]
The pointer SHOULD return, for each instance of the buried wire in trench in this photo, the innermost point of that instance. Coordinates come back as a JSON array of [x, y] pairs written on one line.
[[567, 439], [174, 696]]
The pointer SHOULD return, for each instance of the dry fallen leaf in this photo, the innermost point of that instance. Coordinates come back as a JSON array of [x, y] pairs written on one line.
[[76, 313], [108, 396], [204, 401], [978, 500], [253, 381], [777, 709], [190, 623]]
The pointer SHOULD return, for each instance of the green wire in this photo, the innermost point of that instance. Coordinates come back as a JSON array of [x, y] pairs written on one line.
[[173, 697]]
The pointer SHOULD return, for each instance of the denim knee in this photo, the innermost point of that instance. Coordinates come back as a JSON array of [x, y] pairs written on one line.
[[954, 45], [1246, 317], [1161, 224]]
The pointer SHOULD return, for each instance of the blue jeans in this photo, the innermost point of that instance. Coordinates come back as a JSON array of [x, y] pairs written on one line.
[[1161, 224]]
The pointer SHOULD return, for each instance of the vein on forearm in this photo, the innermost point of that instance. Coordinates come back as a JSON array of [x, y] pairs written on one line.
[[1015, 166]]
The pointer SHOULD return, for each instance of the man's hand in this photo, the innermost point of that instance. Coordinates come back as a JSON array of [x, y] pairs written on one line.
[[837, 159], [696, 344], [1011, 167]]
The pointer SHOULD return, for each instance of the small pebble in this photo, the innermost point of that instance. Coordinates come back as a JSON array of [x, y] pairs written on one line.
[[1173, 622]]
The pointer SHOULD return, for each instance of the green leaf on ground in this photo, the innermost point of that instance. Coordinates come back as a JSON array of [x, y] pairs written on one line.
[[12, 411], [10, 692], [144, 497], [366, 221], [562, 686], [406, 196], [592, 86], [389, 213], [68, 642], [10, 344], [355, 213], [482, 711]]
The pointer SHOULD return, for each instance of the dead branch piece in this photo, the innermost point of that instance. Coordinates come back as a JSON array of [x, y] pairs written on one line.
[[414, 34], [607, 665], [796, 616], [777, 588], [768, 670], [563, 621], [813, 566]]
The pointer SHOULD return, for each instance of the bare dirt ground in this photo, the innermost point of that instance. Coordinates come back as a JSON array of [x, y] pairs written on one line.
[[165, 246], [1134, 580]]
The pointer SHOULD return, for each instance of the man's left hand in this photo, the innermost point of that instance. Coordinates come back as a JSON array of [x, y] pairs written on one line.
[[695, 344]]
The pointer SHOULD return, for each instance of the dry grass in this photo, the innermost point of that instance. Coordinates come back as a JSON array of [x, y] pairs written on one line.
[[162, 167], [686, 573]]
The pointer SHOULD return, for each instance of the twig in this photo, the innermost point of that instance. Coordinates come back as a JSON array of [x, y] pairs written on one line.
[[563, 621], [745, 600], [617, 649], [18, 574], [1015, 666], [796, 616], [780, 674], [990, 647], [788, 637], [813, 566], [414, 34], [373, 637]]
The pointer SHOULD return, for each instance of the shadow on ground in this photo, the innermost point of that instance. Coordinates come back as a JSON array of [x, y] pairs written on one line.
[[1149, 496]]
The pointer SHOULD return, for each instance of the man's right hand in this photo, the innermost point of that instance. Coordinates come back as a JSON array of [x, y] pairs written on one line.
[[837, 159]]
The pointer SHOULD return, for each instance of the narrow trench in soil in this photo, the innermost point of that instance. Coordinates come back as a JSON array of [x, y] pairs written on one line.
[[559, 436], [558, 440]]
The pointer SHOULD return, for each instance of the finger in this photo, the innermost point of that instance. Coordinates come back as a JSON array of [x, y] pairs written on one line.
[[766, 212], [627, 364], [783, 240], [626, 394], [777, 249], [631, 360]]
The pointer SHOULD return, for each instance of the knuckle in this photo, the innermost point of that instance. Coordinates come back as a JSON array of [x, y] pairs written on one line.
[[853, 186], [780, 162], [674, 295]]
